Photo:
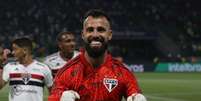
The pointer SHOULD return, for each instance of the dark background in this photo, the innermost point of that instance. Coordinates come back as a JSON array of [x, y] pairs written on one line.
[[144, 31]]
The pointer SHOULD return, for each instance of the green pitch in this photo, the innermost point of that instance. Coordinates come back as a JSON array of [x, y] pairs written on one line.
[[171, 86], [160, 87]]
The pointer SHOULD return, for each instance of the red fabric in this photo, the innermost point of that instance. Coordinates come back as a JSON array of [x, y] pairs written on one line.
[[90, 82]]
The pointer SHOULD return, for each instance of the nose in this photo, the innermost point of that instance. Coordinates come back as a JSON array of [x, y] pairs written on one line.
[[95, 33], [72, 43]]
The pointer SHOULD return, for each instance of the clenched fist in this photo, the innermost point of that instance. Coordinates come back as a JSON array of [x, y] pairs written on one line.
[[3, 55]]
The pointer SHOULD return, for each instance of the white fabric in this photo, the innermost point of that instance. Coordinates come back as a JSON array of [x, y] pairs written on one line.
[[55, 61], [136, 97], [31, 78], [69, 95]]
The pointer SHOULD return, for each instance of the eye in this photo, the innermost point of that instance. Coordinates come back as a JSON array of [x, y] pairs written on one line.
[[90, 29], [101, 29]]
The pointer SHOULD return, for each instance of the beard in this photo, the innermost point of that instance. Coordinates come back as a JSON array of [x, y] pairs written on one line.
[[95, 52]]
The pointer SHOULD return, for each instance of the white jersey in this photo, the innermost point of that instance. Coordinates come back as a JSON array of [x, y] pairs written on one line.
[[56, 62], [26, 83]]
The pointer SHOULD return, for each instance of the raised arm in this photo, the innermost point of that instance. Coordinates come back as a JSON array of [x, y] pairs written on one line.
[[3, 59], [2, 82]]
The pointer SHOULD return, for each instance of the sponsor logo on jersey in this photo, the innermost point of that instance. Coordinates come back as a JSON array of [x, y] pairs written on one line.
[[58, 64], [17, 90], [110, 83], [26, 77]]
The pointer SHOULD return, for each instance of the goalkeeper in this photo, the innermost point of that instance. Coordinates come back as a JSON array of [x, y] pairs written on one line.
[[94, 75]]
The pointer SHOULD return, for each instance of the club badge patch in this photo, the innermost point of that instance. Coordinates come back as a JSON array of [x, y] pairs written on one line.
[[110, 83], [26, 77]]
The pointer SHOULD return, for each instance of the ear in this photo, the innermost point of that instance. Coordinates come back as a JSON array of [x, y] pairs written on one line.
[[25, 50], [82, 33], [59, 44], [110, 35]]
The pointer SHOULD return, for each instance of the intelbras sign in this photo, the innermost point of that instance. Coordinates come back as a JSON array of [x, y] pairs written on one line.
[[178, 67], [136, 67], [186, 67]]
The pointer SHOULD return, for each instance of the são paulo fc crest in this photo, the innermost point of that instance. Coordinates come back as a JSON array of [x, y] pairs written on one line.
[[110, 83], [25, 77]]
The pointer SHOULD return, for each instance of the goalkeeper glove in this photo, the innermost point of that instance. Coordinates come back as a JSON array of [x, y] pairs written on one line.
[[136, 97], [69, 95]]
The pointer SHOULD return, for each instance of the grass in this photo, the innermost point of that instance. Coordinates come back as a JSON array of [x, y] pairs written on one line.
[[160, 87], [171, 86]]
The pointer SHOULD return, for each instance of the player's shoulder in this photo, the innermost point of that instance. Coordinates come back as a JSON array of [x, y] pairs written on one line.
[[40, 64], [51, 57], [76, 53], [119, 65], [70, 64], [13, 63]]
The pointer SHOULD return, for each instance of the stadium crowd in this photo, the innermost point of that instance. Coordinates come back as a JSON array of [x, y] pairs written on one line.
[[176, 20]]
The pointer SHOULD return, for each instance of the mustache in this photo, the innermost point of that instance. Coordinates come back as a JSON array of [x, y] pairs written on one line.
[[100, 39]]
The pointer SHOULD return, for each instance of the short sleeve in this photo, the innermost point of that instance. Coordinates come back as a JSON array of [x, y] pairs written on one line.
[[48, 77]]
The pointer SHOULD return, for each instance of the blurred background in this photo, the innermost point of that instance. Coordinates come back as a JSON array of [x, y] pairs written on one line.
[[150, 36], [144, 31]]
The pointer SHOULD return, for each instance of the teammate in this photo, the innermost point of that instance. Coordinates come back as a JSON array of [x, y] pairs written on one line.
[[27, 76], [94, 75], [66, 44], [2, 57]]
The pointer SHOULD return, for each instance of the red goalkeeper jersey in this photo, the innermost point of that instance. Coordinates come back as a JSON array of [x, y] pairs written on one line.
[[108, 82]]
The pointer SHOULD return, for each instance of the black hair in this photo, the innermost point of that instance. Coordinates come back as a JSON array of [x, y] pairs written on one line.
[[59, 36], [96, 13], [24, 43]]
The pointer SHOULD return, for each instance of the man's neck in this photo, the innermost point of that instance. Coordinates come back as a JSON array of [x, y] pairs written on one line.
[[65, 57], [95, 62], [26, 60]]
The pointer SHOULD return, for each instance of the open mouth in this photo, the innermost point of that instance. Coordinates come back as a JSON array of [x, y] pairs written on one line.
[[95, 44]]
